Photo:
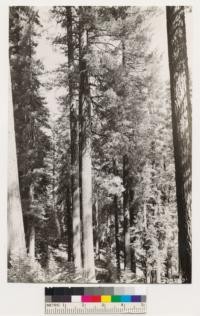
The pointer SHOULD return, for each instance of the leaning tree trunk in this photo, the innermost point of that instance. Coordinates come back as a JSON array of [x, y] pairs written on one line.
[[181, 123], [85, 153], [76, 219], [16, 236]]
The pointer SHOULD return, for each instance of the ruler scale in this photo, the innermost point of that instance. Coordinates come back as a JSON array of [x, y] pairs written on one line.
[[94, 300]]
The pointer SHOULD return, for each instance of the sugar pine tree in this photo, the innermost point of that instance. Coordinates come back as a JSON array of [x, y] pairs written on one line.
[[30, 115], [85, 148], [74, 122], [16, 236], [182, 129]]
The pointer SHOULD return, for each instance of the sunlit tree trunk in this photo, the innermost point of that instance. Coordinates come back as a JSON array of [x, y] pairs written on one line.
[[148, 274], [31, 248], [76, 220], [16, 236], [181, 123], [85, 147], [31, 237], [158, 271]]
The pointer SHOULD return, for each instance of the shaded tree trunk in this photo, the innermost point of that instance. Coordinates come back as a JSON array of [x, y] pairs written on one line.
[[16, 236], [76, 219], [85, 148], [181, 123], [126, 205], [133, 217], [68, 222], [117, 240], [126, 208]]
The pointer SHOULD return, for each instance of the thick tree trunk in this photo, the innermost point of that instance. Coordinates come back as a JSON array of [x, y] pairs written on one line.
[[85, 147], [181, 123], [76, 219], [117, 240], [16, 236]]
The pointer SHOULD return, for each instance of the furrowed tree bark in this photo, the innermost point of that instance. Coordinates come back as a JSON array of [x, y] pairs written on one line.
[[117, 241], [85, 148], [76, 219], [181, 123], [16, 236]]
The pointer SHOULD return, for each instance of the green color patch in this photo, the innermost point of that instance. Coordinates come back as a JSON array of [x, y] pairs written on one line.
[[115, 298]]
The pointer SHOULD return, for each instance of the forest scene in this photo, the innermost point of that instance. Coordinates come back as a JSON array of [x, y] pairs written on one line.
[[100, 144]]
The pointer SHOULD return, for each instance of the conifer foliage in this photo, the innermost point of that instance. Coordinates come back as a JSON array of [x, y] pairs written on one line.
[[101, 192]]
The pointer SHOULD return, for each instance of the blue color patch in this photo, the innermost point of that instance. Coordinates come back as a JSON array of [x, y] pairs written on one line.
[[125, 298]]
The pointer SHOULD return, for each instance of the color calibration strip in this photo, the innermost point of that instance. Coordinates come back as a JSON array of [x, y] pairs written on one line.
[[92, 295], [88, 300]]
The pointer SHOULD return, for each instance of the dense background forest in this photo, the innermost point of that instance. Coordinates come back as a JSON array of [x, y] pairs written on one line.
[[101, 191]]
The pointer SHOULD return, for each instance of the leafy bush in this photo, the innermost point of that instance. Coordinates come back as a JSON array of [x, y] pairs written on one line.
[[25, 270]]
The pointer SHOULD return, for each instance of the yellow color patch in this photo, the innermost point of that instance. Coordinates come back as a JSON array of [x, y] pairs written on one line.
[[105, 298]]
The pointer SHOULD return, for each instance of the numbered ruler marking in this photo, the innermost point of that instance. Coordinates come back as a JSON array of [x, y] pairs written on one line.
[[94, 308]]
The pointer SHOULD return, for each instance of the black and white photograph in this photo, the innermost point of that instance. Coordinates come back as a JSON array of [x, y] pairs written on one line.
[[100, 145]]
